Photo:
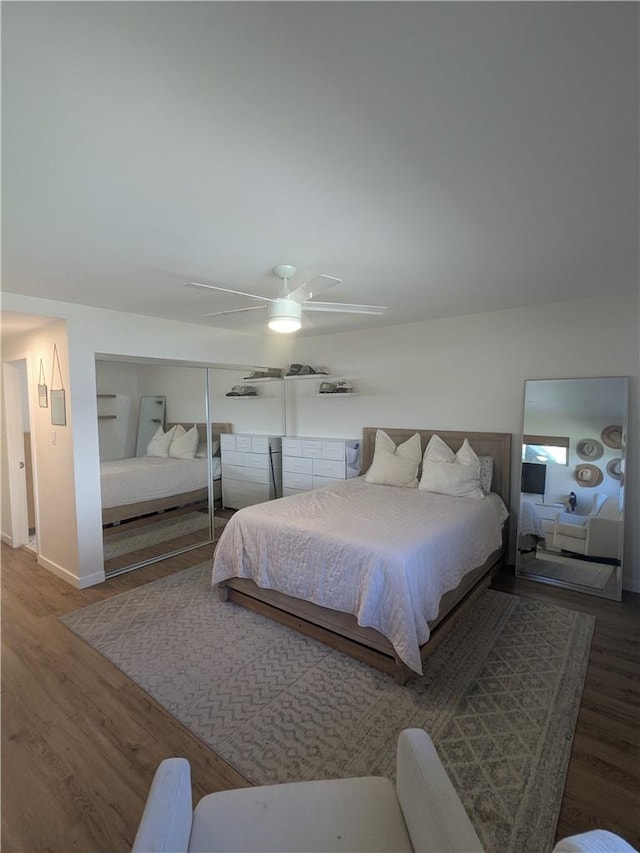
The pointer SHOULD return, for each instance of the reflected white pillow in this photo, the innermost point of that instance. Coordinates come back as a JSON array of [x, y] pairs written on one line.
[[160, 443], [449, 473], [395, 466], [184, 443], [201, 452]]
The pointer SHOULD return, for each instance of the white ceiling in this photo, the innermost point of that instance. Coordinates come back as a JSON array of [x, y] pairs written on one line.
[[439, 158]]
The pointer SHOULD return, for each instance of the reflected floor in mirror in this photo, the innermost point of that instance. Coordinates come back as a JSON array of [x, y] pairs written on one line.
[[560, 567], [152, 536]]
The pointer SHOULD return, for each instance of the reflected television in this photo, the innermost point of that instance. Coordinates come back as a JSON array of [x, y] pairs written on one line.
[[534, 478]]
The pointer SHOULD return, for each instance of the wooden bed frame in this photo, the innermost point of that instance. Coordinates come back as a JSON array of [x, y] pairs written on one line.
[[113, 514], [341, 630]]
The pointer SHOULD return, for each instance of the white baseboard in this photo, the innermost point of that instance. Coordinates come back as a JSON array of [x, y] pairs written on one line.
[[65, 575], [8, 540]]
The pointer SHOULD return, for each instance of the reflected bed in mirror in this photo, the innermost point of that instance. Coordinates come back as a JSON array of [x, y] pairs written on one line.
[[159, 504], [571, 510]]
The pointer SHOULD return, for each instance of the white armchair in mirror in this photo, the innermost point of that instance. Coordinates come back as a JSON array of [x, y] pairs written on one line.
[[571, 519], [594, 535]]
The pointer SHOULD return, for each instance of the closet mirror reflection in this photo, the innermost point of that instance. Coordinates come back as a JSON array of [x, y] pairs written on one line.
[[571, 518], [160, 425]]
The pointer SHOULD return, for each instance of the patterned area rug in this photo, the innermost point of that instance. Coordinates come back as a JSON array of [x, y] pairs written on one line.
[[125, 541], [499, 696], [565, 569]]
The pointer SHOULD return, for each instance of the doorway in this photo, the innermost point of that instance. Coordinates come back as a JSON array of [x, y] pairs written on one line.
[[19, 471]]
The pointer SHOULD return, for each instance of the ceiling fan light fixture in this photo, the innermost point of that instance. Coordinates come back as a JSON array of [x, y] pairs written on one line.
[[285, 316]]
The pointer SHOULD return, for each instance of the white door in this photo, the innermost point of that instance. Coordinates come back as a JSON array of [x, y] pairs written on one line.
[[16, 470]]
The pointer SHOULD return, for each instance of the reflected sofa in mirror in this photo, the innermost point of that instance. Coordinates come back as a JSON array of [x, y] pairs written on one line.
[[571, 510]]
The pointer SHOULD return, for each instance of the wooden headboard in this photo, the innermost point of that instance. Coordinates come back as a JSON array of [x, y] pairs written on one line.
[[495, 444], [216, 428]]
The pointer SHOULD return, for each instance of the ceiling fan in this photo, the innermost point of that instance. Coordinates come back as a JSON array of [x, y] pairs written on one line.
[[285, 310]]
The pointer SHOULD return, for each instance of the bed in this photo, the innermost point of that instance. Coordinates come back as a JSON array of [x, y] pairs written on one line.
[[265, 551], [531, 531], [145, 485]]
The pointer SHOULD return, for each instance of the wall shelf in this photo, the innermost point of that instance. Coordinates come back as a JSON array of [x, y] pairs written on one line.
[[320, 376]]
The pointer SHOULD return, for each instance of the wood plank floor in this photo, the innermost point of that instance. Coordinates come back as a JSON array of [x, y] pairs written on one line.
[[80, 741]]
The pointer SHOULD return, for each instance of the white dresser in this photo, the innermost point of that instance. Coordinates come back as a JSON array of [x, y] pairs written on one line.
[[310, 463], [548, 513], [251, 469]]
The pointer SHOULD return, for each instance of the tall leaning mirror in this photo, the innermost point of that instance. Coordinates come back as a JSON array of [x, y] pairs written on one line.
[[571, 512]]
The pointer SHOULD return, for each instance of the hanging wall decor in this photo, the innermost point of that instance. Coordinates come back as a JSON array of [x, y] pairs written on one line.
[[58, 407], [43, 402]]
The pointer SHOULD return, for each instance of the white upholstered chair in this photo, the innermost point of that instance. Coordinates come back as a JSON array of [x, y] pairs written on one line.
[[422, 812], [597, 534]]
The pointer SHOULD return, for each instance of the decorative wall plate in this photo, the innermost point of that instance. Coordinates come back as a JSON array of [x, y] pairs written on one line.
[[588, 475], [612, 436], [589, 448], [614, 468]]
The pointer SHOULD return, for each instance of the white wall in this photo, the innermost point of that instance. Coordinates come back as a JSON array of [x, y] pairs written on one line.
[[457, 373], [70, 510], [117, 437], [261, 414], [54, 454], [468, 373]]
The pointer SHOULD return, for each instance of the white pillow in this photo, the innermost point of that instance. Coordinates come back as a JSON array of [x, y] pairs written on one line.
[[447, 473], [160, 443], [201, 452], [395, 466], [184, 443]]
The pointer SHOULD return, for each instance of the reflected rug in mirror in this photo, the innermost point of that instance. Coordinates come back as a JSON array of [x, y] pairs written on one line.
[[126, 539], [499, 696], [561, 568]]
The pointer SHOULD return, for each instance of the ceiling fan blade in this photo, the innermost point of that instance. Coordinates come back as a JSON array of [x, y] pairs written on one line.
[[344, 308], [235, 311], [306, 322], [228, 290], [313, 286]]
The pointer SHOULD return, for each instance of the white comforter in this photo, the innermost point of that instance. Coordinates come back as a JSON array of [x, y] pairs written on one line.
[[385, 554], [147, 478], [530, 521]]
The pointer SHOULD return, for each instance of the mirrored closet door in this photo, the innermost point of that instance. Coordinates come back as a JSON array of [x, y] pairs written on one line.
[[571, 512], [160, 427]]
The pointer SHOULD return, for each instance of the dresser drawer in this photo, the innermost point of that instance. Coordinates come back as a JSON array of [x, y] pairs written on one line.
[[297, 464], [255, 460], [292, 446], [328, 468], [243, 442], [259, 444], [333, 450], [232, 457], [232, 472], [256, 475], [227, 441], [287, 491], [319, 482], [312, 448], [291, 480]]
